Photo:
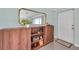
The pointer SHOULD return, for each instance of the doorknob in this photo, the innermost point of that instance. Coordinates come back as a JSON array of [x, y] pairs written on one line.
[[72, 28], [72, 25]]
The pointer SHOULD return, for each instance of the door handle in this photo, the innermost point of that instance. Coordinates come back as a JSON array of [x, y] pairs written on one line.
[[72, 25], [72, 28]]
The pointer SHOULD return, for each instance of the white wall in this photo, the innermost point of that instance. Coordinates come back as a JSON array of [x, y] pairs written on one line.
[[9, 17], [76, 17]]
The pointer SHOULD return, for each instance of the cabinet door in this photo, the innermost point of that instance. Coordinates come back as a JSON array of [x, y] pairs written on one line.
[[14, 39], [49, 34], [45, 35], [1, 37], [5, 42], [25, 41]]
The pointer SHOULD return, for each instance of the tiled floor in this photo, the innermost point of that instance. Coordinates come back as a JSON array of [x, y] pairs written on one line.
[[57, 46]]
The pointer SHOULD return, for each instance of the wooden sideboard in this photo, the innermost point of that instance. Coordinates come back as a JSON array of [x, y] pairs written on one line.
[[49, 34], [23, 38]]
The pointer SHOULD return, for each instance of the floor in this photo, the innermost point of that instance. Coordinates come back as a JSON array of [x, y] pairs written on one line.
[[57, 46]]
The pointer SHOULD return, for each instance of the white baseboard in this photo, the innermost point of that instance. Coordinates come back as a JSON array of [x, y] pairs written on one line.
[[55, 37], [76, 45]]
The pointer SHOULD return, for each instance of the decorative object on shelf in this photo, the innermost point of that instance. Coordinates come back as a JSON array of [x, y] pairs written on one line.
[[41, 41], [25, 22], [35, 45], [36, 38]]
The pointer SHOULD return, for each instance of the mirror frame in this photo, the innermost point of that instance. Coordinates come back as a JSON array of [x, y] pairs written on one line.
[[45, 22]]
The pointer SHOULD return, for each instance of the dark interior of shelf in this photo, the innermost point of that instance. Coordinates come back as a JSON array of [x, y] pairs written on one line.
[[36, 45], [37, 35]]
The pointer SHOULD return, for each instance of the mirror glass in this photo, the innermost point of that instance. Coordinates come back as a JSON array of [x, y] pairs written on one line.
[[28, 16]]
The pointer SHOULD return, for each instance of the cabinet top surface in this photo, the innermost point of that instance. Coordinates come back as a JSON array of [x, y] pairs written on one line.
[[20, 27]]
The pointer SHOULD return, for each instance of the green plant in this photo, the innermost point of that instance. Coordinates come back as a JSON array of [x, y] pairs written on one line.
[[26, 21]]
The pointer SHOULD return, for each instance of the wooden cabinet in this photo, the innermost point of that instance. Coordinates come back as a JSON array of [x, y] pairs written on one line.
[[14, 39], [37, 37], [21, 38], [1, 37], [25, 39], [5, 40], [49, 34]]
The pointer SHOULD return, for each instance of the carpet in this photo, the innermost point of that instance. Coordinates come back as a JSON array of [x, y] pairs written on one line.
[[64, 43]]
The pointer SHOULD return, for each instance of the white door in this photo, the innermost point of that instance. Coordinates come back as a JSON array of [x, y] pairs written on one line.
[[65, 24]]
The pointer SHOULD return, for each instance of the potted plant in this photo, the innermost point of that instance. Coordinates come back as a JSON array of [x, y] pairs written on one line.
[[26, 22]]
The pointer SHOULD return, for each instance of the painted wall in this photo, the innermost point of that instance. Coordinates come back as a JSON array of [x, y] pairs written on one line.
[[76, 17], [9, 17]]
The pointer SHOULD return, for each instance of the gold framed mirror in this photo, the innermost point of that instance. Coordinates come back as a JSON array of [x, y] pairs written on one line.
[[28, 16]]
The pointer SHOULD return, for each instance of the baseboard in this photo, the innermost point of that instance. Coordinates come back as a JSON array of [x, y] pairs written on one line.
[[55, 37], [76, 45]]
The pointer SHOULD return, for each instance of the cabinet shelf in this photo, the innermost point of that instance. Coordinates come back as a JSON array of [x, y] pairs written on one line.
[[37, 34], [35, 48], [41, 36], [35, 41], [37, 44]]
